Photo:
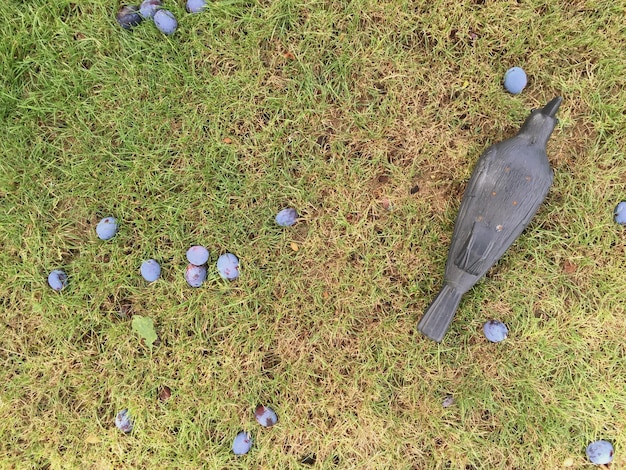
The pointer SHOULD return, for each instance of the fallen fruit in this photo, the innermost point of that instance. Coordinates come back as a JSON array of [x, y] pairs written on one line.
[[123, 421], [265, 416], [150, 270], [57, 279], [287, 217], [228, 266], [242, 443], [195, 6], [515, 80], [195, 275], [165, 21], [495, 331], [148, 8], [107, 228], [198, 255], [600, 452], [128, 17]]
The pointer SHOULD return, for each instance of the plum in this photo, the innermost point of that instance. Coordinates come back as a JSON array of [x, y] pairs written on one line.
[[148, 8], [228, 266], [195, 6], [107, 228], [265, 416], [495, 331], [287, 217], [198, 255], [123, 421], [515, 80], [242, 443], [57, 279], [195, 275], [150, 270], [165, 21], [600, 452], [128, 17]]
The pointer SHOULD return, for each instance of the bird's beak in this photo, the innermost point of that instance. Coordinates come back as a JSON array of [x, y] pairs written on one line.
[[552, 107]]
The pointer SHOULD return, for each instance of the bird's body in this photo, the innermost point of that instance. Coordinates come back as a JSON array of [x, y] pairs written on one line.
[[509, 182]]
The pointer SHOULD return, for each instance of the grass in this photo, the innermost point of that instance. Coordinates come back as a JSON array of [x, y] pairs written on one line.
[[338, 109]]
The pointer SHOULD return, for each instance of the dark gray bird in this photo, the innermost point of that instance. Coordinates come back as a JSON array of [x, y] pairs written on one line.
[[510, 181]]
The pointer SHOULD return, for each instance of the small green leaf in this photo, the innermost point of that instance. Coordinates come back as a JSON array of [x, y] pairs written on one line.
[[145, 327]]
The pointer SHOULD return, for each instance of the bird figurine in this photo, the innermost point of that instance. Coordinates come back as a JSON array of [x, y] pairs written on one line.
[[509, 182]]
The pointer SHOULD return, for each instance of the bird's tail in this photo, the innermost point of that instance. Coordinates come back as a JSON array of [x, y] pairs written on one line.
[[438, 317]]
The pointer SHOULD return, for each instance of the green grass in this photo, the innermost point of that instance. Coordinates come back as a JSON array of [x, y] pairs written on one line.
[[337, 109]]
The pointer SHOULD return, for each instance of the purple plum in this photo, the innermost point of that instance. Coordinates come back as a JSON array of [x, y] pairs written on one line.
[[148, 8], [495, 331], [242, 443], [128, 17], [123, 421], [165, 21], [195, 6], [287, 217], [198, 255], [57, 279], [195, 275], [107, 228], [600, 452], [515, 80], [150, 270], [228, 266], [265, 416]]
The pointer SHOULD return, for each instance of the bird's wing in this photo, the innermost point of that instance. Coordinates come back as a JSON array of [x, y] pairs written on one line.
[[479, 180], [484, 229], [474, 255], [483, 173]]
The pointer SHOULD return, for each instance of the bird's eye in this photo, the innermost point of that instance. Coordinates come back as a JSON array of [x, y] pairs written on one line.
[[532, 110]]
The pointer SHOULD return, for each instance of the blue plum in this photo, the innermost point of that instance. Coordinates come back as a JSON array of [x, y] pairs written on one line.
[[448, 401], [228, 266], [515, 80], [150, 270], [495, 331], [107, 228], [198, 255], [600, 452], [128, 17], [165, 21], [148, 8], [195, 6], [57, 279], [242, 443], [265, 416], [620, 213], [287, 217], [195, 275], [123, 421]]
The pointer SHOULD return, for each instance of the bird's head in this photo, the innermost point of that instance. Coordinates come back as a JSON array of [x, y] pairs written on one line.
[[541, 122]]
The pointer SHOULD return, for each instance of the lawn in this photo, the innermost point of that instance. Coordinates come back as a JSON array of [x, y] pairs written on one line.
[[367, 117]]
